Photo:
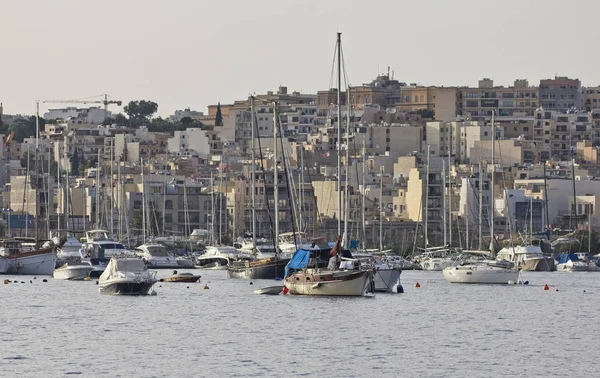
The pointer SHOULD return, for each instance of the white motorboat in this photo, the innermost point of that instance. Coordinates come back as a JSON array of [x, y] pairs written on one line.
[[529, 257], [570, 262], [385, 276], [73, 271], [289, 242], [127, 276], [27, 261], [98, 249], [485, 272], [218, 257], [270, 290], [156, 256], [68, 251]]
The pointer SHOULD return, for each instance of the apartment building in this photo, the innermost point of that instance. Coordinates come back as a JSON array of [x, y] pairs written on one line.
[[191, 141], [557, 133], [560, 94], [590, 98], [479, 103]]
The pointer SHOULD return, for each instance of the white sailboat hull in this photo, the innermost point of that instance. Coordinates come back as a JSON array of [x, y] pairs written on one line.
[[343, 283], [386, 280], [437, 264], [480, 275], [39, 264]]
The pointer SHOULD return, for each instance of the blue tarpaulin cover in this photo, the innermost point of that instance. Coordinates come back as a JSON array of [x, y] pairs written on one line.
[[298, 261], [565, 257]]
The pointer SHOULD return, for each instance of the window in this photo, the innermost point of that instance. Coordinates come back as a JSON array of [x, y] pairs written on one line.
[[168, 204], [472, 104]]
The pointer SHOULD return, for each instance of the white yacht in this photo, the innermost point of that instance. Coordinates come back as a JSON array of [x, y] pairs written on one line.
[[68, 251], [288, 244], [529, 257], [157, 256], [72, 271], [485, 272], [385, 276], [218, 257], [436, 259], [199, 236], [98, 249], [127, 276]]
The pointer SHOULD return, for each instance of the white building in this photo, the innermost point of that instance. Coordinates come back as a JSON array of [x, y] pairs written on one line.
[[187, 112], [81, 115], [189, 141]]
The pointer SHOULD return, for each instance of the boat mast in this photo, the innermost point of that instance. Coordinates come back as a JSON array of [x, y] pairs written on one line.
[[253, 169], [302, 206], [98, 191], [531, 218], [493, 241], [275, 179], [212, 209], [381, 211], [427, 197], [339, 133], [112, 186], [480, 218], [450, 191], [346, 170], [574, 211], [364, 166], [444, 202], [60, 194], [37, 144], [143, 203], [547, 221]]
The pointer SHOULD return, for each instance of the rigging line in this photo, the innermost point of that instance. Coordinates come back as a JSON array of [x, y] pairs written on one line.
[[331, 76], [345, 76], [287, 177], [262, 167]]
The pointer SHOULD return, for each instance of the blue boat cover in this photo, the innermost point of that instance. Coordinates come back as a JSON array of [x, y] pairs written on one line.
[[298, 261], [565, 257], [353, 244]]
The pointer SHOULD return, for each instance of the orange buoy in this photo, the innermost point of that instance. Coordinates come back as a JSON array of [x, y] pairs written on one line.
[[418, 285], [546, 287]]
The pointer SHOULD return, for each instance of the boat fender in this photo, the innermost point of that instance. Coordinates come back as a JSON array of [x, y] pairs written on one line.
[[399, 289], [417, 285]]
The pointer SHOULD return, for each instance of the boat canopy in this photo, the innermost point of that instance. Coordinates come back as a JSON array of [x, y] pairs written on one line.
[[122, 265], [298, 261], [564, 258]]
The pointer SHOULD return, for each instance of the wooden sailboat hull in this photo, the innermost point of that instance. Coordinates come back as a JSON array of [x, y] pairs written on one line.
[[328, 283], [267, 269]]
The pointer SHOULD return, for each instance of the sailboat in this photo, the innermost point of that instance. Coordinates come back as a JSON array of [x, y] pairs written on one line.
[[269, 267], [335, 280], [486, 271]]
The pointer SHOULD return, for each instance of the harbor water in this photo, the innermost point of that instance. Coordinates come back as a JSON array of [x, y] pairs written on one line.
[[59, 328]]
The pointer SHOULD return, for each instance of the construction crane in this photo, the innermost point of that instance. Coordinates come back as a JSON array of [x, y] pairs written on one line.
[[88, 100]]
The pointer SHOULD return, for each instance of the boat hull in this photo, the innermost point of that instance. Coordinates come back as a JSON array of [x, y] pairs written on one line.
[[344, 283], [480, 275], [386, 280], [544, 264], [41, 264], [72, 273], [437, 264], [127, 287], [181, 279], [268, 269], [576, 266], [4, 265]]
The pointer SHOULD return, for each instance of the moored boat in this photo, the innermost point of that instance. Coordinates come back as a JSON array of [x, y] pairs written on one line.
[[72, 271], [180, 277], [127, 276], [27, 262]]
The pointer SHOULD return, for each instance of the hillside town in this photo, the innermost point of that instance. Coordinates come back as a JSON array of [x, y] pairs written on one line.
[[416, 164]]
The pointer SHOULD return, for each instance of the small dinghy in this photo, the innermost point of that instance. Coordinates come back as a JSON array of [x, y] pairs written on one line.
[[270, 290], [181, 277]]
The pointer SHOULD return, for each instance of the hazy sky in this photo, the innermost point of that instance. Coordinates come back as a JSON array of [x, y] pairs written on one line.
[[192, 53]]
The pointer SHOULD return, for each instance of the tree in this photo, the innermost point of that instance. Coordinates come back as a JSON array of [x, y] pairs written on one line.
[[218, 116], [186, 121], [140, 111], [75, 163]]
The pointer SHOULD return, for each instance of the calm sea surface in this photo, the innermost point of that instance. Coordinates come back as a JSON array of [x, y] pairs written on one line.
[[62, 328]]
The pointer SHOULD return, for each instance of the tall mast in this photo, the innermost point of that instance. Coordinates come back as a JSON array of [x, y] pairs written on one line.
[[111, 183], [546, 220], [339, 133], [212, 209], [48, 197], [381, 211], [346, 170], [450, 188], [427, 197], [493, 241], [253, 179], [143, 203], [221, 202], [37, 193], [61, 203], [574, 211], [480, 217], [275, 179], [303, 222], [98, 190], [444, 201], [362, 199]]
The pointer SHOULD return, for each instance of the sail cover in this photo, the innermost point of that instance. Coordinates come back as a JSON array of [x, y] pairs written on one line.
[[298, 261], [564, 258]]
